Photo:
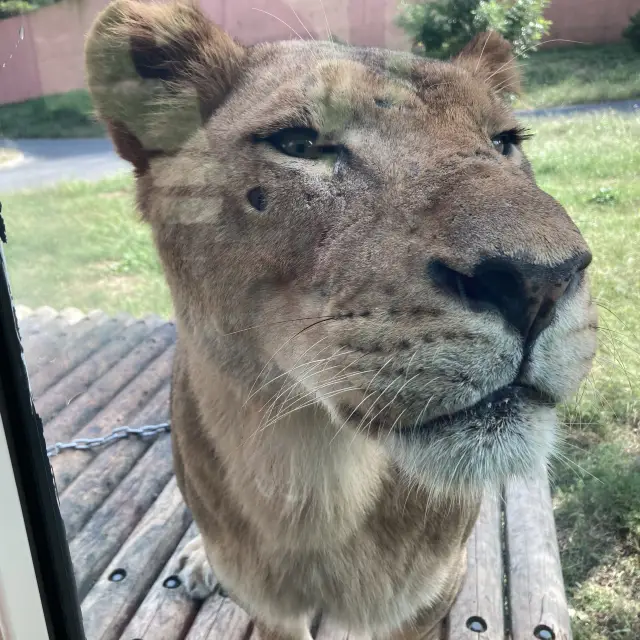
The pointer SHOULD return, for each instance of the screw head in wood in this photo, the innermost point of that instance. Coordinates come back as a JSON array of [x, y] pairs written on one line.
[[476, 624], [544, 633], [172, 582], [118, 575]]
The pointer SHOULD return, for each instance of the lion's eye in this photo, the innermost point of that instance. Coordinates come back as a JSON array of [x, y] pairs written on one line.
[[300, 143], [504, 142]]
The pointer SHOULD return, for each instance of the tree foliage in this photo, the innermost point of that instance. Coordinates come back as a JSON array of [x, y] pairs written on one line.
[[442, 27], [632, 31], [10, 8]]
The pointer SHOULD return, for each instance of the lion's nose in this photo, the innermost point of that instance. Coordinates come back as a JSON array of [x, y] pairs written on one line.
[[524, 293]]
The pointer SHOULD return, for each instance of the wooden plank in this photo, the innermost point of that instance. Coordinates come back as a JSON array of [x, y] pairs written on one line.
[[22, 312], [57, 340], [122, 410], [98, 542], [46, 345], [205, 618], [167, 612], [72, 315], [76, 352], [41, 346], [220, 619], [107, 530], [480, 601], [537, 598], [87, 407], [80, 379], [87, 497], [110, 604], [104, 475], [36, 320]]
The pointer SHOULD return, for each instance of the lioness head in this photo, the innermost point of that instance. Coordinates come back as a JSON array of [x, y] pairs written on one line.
[[357, 229]]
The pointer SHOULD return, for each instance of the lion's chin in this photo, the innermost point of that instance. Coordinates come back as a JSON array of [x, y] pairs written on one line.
[[509, 434]]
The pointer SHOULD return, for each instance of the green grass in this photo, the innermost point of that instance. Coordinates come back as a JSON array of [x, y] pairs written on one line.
[[66, 115], [597, 485], [580, 74], [82, 245]]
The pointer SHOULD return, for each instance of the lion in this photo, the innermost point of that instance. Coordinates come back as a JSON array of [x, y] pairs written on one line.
[[377, 308]]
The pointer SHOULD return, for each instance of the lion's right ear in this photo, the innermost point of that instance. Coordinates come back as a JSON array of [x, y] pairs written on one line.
[[156, 72], [490, 57]]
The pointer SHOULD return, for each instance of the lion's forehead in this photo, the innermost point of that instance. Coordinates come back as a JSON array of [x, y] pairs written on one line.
[[349, 81], [368, 98]]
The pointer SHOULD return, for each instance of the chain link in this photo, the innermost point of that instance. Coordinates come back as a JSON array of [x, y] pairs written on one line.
[[119, 433]]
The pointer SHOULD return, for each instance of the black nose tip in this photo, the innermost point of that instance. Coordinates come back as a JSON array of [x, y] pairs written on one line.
[[525, 294]]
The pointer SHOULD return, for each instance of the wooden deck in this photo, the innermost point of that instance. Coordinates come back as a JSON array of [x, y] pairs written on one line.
[[126, 520]]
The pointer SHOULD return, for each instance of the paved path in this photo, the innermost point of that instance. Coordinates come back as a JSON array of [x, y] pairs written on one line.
[[623, 106], [50, 161]]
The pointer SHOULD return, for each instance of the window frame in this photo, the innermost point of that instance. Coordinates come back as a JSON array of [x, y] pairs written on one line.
[[34, 533]]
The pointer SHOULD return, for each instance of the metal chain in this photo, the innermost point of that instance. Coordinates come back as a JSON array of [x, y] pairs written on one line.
[[119, 433]]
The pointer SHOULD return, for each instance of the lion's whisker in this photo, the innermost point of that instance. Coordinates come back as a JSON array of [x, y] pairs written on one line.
[[300, 21], [277, 322], [329, 383], [272, 380], [308, 404], [326, 21], [299, 383], [373, 404], [284, 344], [482, 53], [394, 397], [363, 400], [571, 464], [279, 20]]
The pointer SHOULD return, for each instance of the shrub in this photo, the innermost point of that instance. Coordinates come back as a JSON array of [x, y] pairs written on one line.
[[632, 32], [442, 27], [10, 8]]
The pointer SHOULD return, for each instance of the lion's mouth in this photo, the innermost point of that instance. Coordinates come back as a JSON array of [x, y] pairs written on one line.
[[487, 413], [502, 403]]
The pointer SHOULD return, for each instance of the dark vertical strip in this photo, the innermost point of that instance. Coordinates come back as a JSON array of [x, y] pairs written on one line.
[[34, 480]]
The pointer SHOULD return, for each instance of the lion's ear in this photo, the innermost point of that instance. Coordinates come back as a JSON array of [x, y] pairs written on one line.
[[490, 56], [156, 72]]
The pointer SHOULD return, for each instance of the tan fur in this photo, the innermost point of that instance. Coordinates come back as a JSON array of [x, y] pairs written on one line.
[[313, 343]]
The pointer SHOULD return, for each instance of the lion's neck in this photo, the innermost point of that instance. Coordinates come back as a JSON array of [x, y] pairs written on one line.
[[298, 471]]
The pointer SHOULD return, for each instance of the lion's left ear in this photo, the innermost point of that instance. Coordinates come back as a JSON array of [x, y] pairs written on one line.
[[490, 57]]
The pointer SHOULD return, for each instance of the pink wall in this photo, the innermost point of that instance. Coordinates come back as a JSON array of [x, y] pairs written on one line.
[[49, 59], [19, 73], [590, 20]]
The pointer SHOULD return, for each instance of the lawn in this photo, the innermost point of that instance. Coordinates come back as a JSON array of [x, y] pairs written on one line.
[[562, 76], [88, 250], [82, 245], [597, 483], [580, 74]]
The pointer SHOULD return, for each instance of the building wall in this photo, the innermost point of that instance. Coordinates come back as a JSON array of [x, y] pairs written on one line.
[[590, 21], [49, 58]]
